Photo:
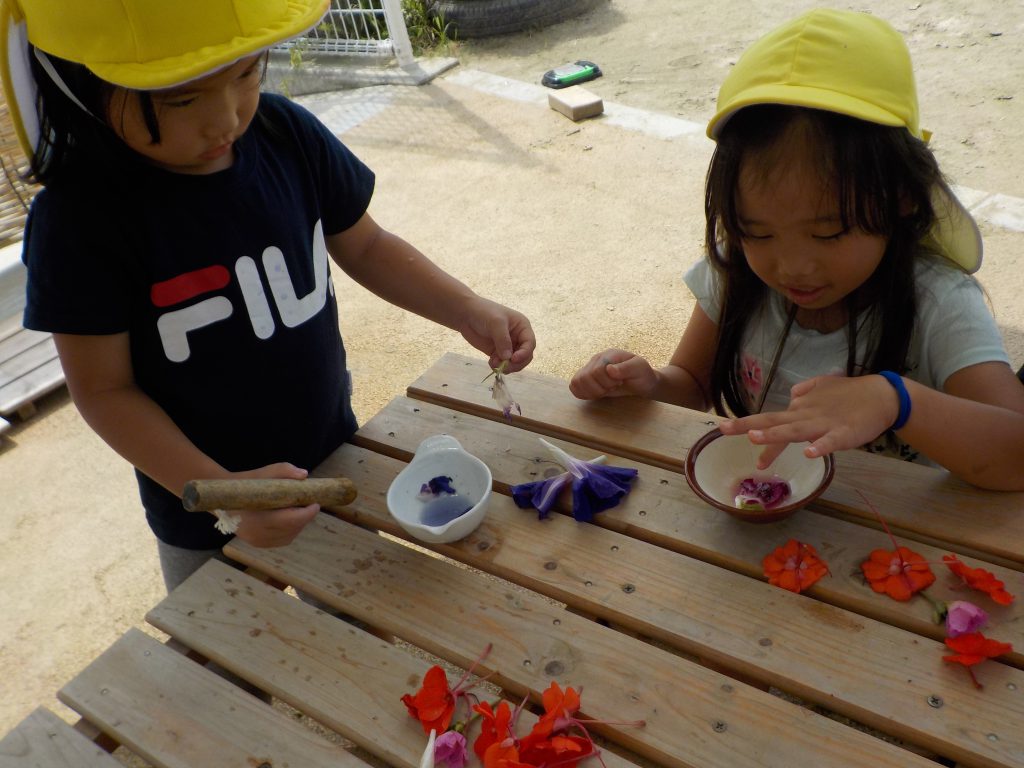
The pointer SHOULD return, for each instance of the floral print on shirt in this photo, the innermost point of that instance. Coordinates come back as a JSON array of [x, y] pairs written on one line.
[[751, 376]]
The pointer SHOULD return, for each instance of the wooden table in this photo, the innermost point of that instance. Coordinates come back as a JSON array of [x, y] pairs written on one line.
[[659, 612]]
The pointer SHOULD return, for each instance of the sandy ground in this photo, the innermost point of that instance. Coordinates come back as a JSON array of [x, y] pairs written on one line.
[[587, 228]]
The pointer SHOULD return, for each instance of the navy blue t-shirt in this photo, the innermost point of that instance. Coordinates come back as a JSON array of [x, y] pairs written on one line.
[[222, 282]]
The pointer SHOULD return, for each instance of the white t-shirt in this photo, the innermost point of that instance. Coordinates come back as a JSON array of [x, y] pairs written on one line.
[[954, 330]]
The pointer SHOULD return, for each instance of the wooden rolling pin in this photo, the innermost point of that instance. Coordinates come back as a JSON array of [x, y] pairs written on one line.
[[207, 495]]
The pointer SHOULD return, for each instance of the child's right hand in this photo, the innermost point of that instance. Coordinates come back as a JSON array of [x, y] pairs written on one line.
[[614, 373], [273, 527]]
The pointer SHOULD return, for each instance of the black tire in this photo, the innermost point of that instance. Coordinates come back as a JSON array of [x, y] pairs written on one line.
[[484, 18]]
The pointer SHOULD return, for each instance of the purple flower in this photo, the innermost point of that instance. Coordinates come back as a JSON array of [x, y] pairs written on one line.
[[436, 486], [450, 749], [500, 392], [761, 494], [963, 617], [595, 487]]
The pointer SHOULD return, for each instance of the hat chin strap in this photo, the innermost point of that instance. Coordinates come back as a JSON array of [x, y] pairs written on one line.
[[47, 65]]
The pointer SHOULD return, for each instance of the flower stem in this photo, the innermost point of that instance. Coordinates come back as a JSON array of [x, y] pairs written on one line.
[[938, 607]]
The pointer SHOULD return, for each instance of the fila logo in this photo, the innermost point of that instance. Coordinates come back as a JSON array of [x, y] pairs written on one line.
[[175, 325]]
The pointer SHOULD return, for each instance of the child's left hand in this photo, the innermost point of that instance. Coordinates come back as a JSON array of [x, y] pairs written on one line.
[[500, 332], [834, 413]]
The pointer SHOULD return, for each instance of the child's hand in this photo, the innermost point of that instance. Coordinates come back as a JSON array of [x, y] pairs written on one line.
[[834, 413], [500, 332], [273, 527], [614, 373]]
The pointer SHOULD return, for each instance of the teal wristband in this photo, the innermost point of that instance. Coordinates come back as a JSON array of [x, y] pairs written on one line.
[[901, 392]]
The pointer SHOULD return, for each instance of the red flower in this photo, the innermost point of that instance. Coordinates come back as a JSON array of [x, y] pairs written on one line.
[[495, 726], [980, 579], [974, 648], [504, 754], [794, 566], [898, 574], [433, 703]]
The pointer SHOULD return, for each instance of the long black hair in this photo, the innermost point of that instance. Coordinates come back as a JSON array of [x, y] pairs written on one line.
[[69, 133], [881, 178]]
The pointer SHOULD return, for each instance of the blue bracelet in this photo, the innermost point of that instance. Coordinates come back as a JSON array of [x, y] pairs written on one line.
[[901, 391]]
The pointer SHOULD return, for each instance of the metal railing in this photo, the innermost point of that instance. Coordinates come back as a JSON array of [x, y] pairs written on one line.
[[359, 28]]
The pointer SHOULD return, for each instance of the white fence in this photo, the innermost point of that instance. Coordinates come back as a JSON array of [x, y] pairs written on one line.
[[360, 28]]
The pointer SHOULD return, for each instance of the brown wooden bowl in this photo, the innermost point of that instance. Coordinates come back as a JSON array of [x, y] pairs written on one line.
[[717, 463]]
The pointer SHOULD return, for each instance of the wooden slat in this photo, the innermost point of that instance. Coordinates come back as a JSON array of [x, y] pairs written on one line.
[[866, 670], [914, 499], [43, 740], [662, 510], [337, 674], [177, 714], [37, 382], [21, 341], [694, 716]]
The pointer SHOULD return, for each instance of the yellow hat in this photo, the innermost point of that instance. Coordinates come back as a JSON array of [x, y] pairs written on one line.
[[140, 44], [854, 64]]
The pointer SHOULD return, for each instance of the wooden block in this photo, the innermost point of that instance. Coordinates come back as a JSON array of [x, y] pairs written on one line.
[[576, 103]]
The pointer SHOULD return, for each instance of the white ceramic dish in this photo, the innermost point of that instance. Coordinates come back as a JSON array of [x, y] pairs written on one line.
[[440, 456], [716, 463]]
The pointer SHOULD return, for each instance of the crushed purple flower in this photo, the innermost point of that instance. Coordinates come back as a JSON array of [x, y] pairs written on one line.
[[436, 486], [761, 494], [595, 486]]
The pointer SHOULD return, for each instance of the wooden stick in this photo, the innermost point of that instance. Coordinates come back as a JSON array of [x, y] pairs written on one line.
[[274, 493]]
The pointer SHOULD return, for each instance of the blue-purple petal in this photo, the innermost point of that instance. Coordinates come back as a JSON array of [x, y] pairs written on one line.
[[600, 487], [540, 494]]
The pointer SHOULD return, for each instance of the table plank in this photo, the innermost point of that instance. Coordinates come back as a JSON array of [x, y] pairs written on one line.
[[177, 714], [694, 716], [337, 674], [659, 434], [866, 670], [43, 740], [662, 510]]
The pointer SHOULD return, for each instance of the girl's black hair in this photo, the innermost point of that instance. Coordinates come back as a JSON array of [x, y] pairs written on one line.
[[68, 133], [882, 178]]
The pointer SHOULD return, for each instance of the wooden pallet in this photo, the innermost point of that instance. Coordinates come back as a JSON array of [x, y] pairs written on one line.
[[29, 368]]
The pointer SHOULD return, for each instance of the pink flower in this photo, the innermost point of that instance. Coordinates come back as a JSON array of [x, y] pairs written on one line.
[[750, 373], [963, 617], [450, 749]]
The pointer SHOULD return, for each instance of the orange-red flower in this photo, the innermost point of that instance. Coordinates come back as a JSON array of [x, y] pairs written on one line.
[[974, 648], [898, 574], [794, 566], [495, 726], [980, 579], [433, 703]]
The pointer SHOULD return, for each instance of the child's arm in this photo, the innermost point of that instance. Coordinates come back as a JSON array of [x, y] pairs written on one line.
[[684, 381], [398, 273], [975, 428], [99, 376]]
